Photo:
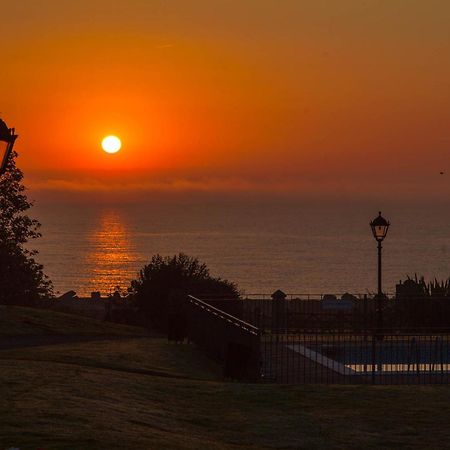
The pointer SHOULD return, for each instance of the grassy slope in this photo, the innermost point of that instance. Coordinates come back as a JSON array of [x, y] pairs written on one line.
[[91, 395], [19, 321]]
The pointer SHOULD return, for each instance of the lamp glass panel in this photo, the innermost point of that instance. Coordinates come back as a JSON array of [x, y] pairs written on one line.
[[380, 231], [3, 148]]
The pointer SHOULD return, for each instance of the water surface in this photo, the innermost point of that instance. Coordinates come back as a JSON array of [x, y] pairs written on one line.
[[262, 246]]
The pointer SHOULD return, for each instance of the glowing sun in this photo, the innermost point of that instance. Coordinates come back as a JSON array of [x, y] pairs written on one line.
[[111, 144]]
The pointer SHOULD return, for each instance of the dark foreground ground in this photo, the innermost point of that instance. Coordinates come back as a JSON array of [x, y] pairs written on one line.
[[120, 388]]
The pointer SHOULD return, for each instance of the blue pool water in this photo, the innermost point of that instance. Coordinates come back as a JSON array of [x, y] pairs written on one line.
[[413, 355], [403, 352]]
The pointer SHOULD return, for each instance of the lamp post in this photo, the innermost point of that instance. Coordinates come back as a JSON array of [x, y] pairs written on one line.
[[7, 140], [380, 228]]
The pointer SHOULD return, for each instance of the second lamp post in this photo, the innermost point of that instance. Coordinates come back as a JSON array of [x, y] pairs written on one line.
[[380, 228]]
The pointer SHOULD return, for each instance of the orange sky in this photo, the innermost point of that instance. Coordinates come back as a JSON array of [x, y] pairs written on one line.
[[302, 96]]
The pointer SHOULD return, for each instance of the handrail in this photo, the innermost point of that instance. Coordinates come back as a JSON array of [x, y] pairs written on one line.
[[223, 315]]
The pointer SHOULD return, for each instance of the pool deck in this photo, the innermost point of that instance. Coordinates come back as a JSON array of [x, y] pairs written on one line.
[[295, 363]]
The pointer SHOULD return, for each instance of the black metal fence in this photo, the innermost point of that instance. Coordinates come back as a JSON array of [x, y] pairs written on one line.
[[349, 358], [326, 339], [346, 312]]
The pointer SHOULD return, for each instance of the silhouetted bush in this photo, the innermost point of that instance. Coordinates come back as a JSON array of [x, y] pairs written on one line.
[[420, 304], [163, 284], [417, 287]]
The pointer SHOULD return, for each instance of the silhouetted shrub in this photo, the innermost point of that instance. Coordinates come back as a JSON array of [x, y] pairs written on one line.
[[162, 285], [421, 304], [417, 288]]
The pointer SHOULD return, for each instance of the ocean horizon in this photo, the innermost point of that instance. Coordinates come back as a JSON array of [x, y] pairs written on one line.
[[297, 246]]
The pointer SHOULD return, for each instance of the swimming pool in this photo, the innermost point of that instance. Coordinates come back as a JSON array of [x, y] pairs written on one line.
[[406, 355]]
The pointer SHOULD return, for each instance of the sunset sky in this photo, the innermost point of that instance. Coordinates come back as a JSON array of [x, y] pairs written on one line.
[[292, 96]]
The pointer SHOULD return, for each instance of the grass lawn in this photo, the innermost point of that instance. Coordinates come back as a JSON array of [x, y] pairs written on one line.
[[20, 321], [143, 393]]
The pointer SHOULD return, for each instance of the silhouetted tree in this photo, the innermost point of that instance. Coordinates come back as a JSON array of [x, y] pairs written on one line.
[[22, 280], [180, 273]]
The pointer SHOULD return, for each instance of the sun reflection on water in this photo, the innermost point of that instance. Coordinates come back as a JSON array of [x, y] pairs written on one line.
[[112, 257]]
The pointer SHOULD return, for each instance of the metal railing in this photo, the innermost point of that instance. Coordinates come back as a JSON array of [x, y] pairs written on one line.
[[223, 315]]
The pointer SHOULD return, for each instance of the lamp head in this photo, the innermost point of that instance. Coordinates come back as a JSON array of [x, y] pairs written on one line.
[[379, 227], [7, 139]]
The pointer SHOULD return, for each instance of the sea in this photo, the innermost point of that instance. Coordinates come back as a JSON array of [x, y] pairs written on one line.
[[298, 246]]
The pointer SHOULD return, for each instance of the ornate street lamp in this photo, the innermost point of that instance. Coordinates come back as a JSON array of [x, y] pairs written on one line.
[[380, 227], [7, 139]]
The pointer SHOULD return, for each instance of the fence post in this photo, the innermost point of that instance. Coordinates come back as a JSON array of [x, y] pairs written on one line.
[[365, 317], [279, 311]]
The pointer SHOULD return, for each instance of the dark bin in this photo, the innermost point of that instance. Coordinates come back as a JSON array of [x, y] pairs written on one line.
[[238, 362], [177, 327]]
